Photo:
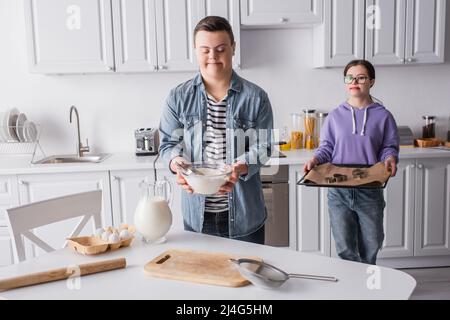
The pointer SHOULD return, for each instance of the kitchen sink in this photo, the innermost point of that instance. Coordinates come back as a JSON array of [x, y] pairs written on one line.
[[89, 158]]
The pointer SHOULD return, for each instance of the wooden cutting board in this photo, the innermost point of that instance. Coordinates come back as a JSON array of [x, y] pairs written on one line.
[[197, 266]]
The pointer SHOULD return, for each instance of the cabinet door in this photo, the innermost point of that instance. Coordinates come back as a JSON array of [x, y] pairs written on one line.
[[228, 9], [175, 23], [135, 47], [385, 31], [38, 187], [425, 31], [175, 205], [399, 213], [340, 38], [6, 250], [9, 196], [125, 193], [69, 36], [313, 226], [275, 12], [432, 223]]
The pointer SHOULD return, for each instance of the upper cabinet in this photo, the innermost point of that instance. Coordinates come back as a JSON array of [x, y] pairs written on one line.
[[276, 12], [340, 38], [69, 36], [96, 36], [395, 31]]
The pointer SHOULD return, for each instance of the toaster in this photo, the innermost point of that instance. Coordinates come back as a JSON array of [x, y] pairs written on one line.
[[147, 141]]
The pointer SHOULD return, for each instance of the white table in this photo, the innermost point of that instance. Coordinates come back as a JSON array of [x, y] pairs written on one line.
[[133, 283]]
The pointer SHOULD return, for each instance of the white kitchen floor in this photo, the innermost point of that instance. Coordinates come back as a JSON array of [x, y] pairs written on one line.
[[432, 283]]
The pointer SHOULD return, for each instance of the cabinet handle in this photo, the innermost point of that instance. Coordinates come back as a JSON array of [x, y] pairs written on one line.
[[410, 60], [111, 68], [164, 67], [155, 67], [402, 60], [284, 20], [420, 166], [22, 183], [413, 166]]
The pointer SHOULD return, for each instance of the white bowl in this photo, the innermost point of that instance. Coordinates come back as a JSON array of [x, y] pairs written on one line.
[[212, 178]]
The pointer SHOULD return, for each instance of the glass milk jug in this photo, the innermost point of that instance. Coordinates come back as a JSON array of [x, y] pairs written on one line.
[[153, 217]]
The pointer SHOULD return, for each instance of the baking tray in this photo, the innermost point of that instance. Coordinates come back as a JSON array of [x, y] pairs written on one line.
[[308, 183]]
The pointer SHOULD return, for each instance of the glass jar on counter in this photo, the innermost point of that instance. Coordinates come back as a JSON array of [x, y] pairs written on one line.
[[296, 132], [285, 141], [429, 128], [321, 116], [310, 127]]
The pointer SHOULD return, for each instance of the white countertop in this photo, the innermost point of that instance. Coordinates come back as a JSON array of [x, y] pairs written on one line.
[[132, 283], [303, 155], [13, 164]]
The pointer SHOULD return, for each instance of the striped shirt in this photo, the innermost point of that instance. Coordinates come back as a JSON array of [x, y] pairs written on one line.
[[215, 150]]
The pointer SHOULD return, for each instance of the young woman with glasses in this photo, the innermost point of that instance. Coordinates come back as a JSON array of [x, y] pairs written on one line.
[[359, 131]]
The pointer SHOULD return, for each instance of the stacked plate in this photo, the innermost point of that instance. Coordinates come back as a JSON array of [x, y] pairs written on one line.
[[15, 127]]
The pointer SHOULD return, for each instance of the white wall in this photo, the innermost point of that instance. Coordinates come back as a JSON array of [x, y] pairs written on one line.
[[112, 106]]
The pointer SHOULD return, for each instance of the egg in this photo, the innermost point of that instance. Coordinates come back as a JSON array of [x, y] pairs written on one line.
[[123, 226], [124, 234], [99, 232], [110, 229], [105, 235], [113, 238]]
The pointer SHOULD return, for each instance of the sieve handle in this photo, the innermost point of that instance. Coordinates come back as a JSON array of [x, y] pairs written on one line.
[[312, 277]]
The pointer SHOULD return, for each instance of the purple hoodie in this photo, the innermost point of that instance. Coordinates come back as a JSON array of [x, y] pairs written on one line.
[[358, 136]]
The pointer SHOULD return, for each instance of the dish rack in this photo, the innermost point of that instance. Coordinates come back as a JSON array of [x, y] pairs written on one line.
[[12, 143]]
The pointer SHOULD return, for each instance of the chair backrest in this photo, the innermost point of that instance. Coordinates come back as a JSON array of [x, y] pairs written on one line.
[[22, 220]]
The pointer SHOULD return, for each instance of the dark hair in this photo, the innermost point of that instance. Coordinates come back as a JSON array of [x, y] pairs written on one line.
[[212, 24], [366, 64]]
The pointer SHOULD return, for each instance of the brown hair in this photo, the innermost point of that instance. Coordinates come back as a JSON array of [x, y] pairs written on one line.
[[366, 64], [212, 24]]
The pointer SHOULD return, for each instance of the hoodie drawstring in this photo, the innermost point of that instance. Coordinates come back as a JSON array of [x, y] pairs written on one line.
[[354, 121], [363, 131]]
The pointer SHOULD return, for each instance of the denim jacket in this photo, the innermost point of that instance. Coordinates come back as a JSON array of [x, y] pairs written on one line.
[[183, 126]]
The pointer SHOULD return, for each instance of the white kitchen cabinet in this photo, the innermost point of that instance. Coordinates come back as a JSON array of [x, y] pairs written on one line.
[[135, 47], [280, 12], [126, 192], [175, 21], [9, 196], [69, 36], [36, 187], [399, 213], [386, 36], [409, 31], [6, 250], [313, 226], [425, 31], [432, 203], [385, 32], [133, 36], [340, 38]]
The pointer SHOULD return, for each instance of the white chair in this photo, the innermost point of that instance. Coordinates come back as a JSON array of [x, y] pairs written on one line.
[[21, 220]]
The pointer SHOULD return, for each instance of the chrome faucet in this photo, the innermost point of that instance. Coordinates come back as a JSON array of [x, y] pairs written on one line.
[[80, 148]]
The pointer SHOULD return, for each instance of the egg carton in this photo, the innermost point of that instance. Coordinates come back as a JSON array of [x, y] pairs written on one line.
[[96, 244]]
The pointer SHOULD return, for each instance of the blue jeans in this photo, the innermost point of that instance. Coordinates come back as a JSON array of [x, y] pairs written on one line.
[[356, 217], [217, 225]]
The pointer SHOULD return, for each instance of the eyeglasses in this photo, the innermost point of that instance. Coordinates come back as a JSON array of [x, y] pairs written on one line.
[[359, 79]]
